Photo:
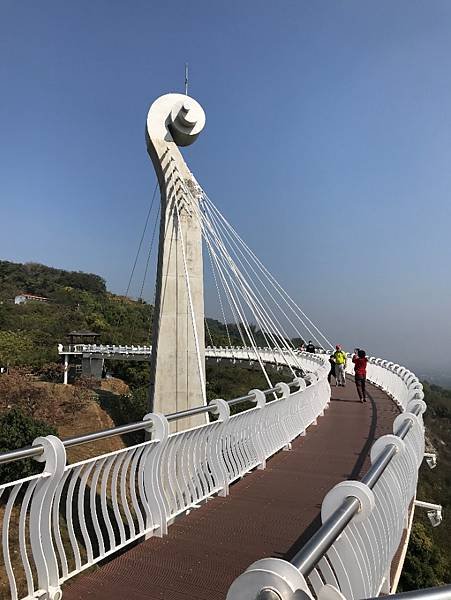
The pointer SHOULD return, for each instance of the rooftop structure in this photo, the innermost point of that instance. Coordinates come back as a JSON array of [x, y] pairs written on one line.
[[82, 335], [23, 298]]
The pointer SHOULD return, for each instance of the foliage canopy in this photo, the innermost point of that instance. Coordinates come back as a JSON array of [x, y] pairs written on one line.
[[16, 431]]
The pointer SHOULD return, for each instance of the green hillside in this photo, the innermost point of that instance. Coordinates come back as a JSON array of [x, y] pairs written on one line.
[[428, 560], [29, 333]]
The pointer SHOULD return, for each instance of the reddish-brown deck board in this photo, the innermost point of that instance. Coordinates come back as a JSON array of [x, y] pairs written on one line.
[[268, 513]]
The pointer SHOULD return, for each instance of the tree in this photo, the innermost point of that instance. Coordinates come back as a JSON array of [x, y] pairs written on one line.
[[18, 389], [425, 565], [81, 394], [16, 431], [15, 348], [51, 372]]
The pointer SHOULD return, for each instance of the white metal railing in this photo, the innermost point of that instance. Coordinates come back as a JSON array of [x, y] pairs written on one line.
[[60, 522], [310, 363], [275, 356], [436, 593], [105, 349], [363, 521], [358, 563]]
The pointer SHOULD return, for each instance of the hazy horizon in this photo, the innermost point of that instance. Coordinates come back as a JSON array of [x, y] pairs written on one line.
[[327, 146]]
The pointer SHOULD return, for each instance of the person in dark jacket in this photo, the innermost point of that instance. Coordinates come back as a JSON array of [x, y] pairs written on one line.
[[310, 347], [360, 361], [332, 370]]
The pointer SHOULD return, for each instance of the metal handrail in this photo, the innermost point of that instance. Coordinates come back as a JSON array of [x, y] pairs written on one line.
[[311, 553], [33, 451], [436, 593]]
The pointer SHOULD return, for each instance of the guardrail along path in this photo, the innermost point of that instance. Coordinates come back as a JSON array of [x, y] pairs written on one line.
[[270, 512]]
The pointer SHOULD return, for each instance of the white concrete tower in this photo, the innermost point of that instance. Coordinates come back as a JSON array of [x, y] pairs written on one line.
[[177, 366]]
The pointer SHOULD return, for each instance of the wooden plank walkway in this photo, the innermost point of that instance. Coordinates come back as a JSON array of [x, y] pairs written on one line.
[[268, 513]]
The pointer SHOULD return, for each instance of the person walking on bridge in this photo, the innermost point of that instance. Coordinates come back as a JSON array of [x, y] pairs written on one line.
[[332, 370], [310, 347], [360, 361], [340, 359]]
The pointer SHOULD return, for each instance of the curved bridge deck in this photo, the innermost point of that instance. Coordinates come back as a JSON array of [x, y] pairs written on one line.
[[270, 512]]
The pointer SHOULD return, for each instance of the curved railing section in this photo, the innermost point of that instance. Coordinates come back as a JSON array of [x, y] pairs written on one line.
[[69, 517], [303, 362], [398, 382], [274, 356], [364, 522]]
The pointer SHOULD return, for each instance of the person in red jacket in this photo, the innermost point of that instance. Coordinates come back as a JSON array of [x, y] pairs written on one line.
[[360, 361]]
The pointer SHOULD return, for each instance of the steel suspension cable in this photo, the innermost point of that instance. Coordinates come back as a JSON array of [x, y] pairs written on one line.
[[261, 318], [209, 332], [238, 252], [272, 280], [274, 320], [282, 292], [252, 300], [219, 296], [246, 291], [194, 203], [141, 241], [146, 267], [238, 308], [249, 297], [226, 293]]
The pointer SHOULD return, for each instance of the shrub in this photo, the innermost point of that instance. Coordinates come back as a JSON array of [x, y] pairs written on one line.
[[425, 564], [18, 389], [81, 394], [52, 372], [16, 431]]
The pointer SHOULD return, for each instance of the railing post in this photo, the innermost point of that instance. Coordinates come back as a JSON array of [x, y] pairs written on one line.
[[302, 387], [152, 479], [284, 390], [41, 539], [260, 401], [214, 447], [312, 379], [270, 575]]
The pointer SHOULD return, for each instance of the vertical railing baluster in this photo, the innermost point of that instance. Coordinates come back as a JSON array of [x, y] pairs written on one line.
[[152, 472], [259, 433], [41, 538], [216, 447]]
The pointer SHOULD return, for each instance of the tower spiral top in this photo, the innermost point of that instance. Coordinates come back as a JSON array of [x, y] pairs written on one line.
[[175, 118]]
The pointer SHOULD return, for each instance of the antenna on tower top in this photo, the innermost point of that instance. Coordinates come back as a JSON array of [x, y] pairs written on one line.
[[186, 79]]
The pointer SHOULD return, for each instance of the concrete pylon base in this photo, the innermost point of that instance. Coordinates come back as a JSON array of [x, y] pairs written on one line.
[[92, 367]]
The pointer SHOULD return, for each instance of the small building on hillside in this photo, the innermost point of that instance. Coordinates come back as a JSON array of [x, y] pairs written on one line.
[[23, 298]]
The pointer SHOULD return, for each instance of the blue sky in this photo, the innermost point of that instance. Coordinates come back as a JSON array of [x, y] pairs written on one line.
[[327, 145]]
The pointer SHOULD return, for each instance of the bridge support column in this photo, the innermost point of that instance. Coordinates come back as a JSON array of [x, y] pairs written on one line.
[[66, 368], [92, 367], [177, 364]]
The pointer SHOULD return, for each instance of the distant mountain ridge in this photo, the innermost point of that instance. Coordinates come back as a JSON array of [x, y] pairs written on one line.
[[441, 378]]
